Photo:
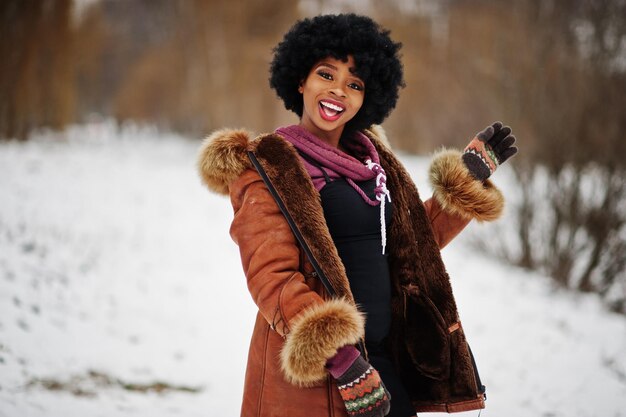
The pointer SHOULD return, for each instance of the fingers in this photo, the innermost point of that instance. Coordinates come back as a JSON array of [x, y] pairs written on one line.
[[486, 134], [491, 132], [499, 136], [505, 143], [507, 153]]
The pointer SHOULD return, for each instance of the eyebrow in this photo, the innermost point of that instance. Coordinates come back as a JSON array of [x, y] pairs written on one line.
[[352, 69]]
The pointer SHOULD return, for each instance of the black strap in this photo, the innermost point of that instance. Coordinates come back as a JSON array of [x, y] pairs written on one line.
[[294, 228], [315, 164]]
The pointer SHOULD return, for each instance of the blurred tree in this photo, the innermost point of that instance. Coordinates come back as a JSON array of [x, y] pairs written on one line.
[[561, 87], [110, 38], [212, 71], [36, 76]]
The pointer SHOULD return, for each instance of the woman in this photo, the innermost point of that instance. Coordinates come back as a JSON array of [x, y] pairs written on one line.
[[389, 342]]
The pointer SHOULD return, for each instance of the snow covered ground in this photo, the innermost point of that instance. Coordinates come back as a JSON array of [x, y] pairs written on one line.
[[121, 294]]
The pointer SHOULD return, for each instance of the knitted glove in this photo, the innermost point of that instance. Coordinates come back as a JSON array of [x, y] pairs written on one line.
[[363, 391], [488, 149]]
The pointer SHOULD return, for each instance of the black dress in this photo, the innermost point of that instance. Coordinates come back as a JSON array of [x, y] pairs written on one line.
[[356, 231]]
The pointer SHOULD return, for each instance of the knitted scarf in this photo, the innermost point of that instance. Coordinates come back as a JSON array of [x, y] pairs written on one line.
[[337, 164]]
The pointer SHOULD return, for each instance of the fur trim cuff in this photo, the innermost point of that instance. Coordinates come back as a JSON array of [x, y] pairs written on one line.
[[315, 336], [222, 158], [459, 193]]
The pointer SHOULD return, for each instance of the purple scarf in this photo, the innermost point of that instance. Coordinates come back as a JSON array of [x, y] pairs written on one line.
[[339, 164]]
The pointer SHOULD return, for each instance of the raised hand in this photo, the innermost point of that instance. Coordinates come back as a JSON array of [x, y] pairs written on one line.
[[489, 149]]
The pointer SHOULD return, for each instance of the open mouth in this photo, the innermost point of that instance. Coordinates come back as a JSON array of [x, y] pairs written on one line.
[[330, 111]]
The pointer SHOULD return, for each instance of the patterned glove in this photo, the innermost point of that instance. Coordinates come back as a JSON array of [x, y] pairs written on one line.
[[363, 391], [488, 149]]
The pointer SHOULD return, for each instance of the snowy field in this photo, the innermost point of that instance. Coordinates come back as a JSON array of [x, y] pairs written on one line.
[[121, 294]]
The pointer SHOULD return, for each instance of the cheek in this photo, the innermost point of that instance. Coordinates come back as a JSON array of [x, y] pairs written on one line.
[[308, 93], [359, 103]]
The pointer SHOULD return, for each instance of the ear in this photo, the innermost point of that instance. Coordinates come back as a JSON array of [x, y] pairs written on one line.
[[300, 88]]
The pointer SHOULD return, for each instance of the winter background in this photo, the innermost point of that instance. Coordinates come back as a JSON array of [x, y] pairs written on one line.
[[122, 293]]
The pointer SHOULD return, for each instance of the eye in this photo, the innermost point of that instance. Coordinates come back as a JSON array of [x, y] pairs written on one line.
[[325, 75], [356, 86]]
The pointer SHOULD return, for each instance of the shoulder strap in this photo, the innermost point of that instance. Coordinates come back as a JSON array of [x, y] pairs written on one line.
[[315, 164], [316, 266]]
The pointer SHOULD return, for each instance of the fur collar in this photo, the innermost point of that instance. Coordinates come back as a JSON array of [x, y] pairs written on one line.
[[222, 158], [223, 155]]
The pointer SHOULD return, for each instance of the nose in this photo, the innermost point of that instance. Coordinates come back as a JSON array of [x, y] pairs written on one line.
[[338, 90]]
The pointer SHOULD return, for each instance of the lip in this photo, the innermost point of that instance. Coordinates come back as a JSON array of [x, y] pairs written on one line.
[[334, 102], [327, 117]]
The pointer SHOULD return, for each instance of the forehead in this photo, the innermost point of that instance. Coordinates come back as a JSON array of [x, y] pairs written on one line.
[[337, 64]]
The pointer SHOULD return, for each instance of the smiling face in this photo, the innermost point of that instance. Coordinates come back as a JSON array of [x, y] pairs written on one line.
[[332, 95]]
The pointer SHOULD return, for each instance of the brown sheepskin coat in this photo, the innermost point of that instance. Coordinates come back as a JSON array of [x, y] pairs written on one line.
[[298, 326]]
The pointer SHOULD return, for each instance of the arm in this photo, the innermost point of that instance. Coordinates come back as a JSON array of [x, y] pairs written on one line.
[[462, 190], [446, 226], [313, 328], [458, 197]]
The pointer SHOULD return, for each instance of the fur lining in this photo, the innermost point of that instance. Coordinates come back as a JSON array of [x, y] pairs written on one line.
[[222, 158], [282, 165], [315, 336], [378, 132], [459, 192]]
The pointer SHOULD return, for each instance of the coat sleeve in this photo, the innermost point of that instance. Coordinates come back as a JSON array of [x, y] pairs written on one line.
[[458, 197], [313, 328], [446, 226]]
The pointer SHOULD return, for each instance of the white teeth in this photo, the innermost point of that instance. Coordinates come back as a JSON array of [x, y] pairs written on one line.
[[331, 106]]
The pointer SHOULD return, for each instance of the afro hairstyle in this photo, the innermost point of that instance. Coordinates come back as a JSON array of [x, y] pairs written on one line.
[[376, 58]]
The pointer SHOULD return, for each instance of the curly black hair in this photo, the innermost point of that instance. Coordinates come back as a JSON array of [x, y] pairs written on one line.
[[376, 58]]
